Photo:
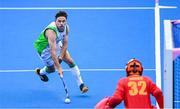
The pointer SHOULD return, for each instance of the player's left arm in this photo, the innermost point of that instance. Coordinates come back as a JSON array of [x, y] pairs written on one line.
[[118, 95], [65, 43]]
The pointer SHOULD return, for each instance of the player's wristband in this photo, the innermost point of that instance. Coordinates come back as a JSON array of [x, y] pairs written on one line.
[[60, 60]]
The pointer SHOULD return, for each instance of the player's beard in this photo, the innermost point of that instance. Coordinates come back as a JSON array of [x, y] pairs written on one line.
[[61, 28]]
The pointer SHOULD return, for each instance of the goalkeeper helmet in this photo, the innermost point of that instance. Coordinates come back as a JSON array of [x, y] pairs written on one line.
[[134, 66]]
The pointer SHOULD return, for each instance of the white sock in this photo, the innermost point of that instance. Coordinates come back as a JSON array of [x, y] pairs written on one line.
[[76, 72], [43, 71]]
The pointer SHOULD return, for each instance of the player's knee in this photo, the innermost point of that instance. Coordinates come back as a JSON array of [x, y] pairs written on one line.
[[50, 69]]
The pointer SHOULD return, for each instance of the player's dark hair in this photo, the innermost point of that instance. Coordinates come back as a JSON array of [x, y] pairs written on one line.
[[61, 13]]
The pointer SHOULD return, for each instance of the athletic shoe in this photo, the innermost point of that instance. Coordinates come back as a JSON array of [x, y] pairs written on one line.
[[83, 88], [42, 77]]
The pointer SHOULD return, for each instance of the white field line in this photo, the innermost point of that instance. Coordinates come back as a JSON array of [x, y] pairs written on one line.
[[85, 8], [88, 70]]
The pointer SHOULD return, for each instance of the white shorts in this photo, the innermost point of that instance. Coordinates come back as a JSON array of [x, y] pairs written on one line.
[[46, 54]]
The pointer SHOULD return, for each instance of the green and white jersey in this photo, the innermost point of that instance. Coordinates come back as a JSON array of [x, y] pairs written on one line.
[[42, 42]]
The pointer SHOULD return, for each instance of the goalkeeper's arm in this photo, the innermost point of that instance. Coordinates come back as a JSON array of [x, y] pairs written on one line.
[[157, 93]]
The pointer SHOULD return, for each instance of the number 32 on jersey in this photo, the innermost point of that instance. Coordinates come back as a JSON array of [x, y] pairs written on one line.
[[137, 87]]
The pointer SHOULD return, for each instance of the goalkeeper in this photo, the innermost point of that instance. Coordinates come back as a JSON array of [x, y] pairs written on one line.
[[52, 48], [135, 90]]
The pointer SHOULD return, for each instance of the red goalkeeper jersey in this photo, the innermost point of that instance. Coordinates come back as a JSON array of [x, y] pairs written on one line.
[[135, 90]]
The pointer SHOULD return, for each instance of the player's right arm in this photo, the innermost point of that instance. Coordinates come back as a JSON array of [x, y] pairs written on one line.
[[51, 35], [157, 93]]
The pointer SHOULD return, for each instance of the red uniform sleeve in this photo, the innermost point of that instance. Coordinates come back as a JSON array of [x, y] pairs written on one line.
[[157, 93], [118, 95], [102, 104]]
